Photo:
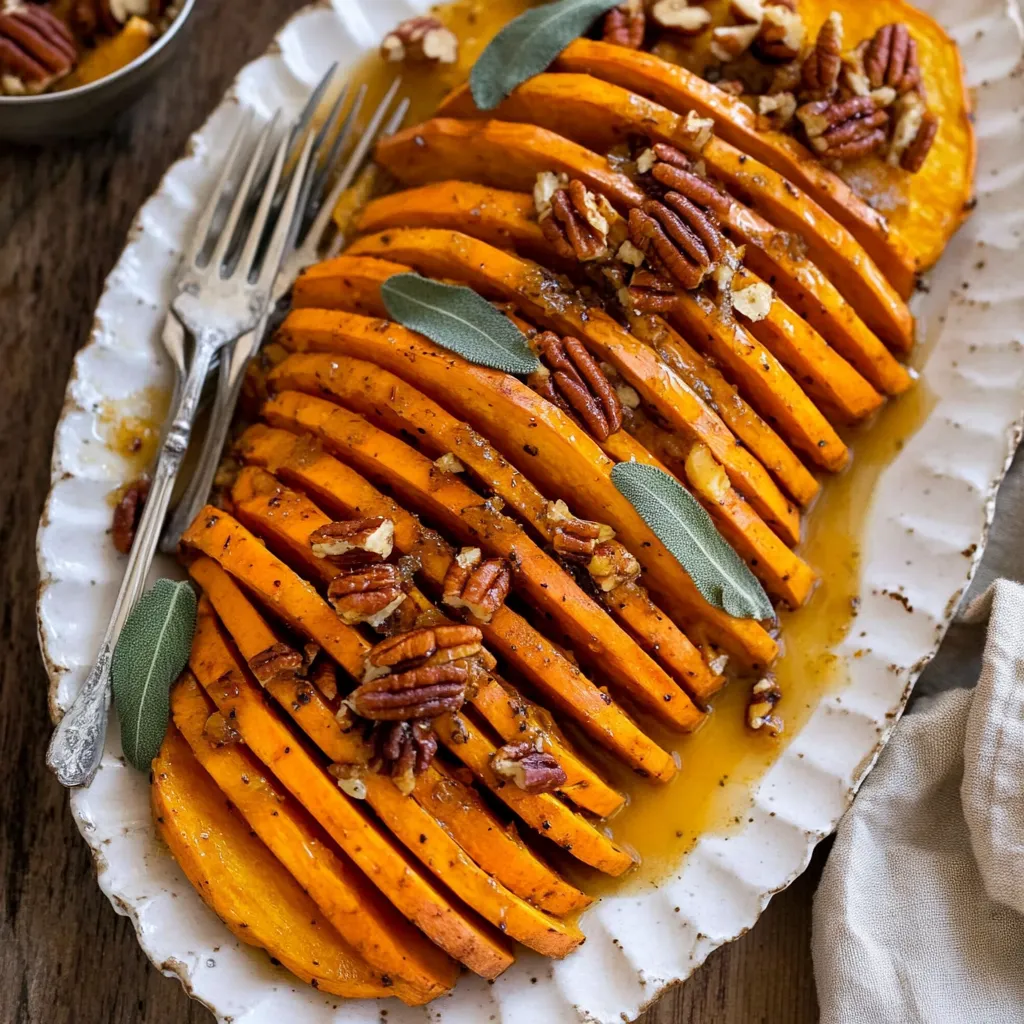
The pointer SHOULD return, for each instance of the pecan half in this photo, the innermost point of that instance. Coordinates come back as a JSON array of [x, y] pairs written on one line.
[[914, 134], [367, 593], [824, 63], [36, 48], [532, 770], [355, 541], [577, 384], [579, 223], [478, 584], [277, 662], [612, 565], [128, 512], [424, 692], [764, 695], [649, 292], [845, 130], [405, 750], [891, 59], [410, 650], [575, 539], [421, 40], [625, 25]]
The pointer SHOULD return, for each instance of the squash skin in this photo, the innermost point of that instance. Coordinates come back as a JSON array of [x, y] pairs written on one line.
[[344, 492], [592, 633], [931, 205], [510, 156], [224, 677], [339, 890], [274, 914], [494, 405], [681, 90]]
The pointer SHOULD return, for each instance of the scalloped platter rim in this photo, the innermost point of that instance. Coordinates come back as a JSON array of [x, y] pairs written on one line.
[[933, 505]]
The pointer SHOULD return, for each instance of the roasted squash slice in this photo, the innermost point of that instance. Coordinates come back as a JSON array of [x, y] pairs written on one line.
[[344, 492], [681, 90], [601, 116], [373, 928], [396, 406], [529, 434], [251, 633], [923, 210], [225, 678], [511, 156], [540, 297], [508, 220], [252, 892], [592, 633]]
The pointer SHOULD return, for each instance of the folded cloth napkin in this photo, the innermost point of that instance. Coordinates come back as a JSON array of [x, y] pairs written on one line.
[[919, 918]]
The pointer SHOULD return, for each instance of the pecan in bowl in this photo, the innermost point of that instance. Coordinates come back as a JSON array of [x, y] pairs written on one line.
[[36, 48]]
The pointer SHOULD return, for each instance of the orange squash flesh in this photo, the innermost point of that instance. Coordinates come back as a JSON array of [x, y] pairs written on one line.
[[681, 90], [527, 431], [226, 680], [249, 889], [540, 297], [373, 928], [394, 405], [601, 116], [250, 632], [316, 719], [511, 156], [594, 635], [543, 812], [287, 519], [343, 492], [923, 210]]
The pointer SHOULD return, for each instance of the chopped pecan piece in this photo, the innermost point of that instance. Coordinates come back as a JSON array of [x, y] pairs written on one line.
[[478, 584], [651, 293], [576, 383], [532, 770], [355, 541], [612, 565], [917, 152], [324, 677], [845, 130], [764, 695], [449, 463], [782, 33], [891, 59], [776, 110], [625, 25], [731, 41], [754, 302], [679, 16], [366, 593], [405, 750], [579, 224], [421, 40], [914, 134], [575, 539], [824, 63], [128, 512], [36, 48], [277, 662], [423, 692], [350, 779]]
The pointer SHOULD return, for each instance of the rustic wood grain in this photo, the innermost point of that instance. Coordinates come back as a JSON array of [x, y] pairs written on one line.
[[65, 956]]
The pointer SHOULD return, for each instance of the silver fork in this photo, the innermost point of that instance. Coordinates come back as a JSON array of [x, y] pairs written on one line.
[[307, 249], [217, 303]]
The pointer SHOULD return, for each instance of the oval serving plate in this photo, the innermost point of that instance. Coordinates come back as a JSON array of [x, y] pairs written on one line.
[[922, 540]]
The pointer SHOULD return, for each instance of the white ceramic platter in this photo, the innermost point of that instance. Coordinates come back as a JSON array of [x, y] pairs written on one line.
[[923, 538]]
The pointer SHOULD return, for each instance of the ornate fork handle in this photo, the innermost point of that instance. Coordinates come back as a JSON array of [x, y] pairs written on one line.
[[77, 744]]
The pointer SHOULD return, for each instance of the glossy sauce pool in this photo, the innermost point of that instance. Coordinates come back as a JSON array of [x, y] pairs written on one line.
[[720, 764]]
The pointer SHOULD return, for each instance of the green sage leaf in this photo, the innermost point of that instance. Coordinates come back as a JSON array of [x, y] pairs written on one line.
[[458, 319], [529, 44], [150, 654], [690, 534]]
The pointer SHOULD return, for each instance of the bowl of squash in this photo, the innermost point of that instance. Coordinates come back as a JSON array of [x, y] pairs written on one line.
[[69, 67]]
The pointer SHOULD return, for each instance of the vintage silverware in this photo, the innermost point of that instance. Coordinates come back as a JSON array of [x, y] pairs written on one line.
[[218, 300], [308, 247]]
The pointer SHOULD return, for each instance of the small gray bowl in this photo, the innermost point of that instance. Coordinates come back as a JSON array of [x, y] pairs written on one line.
[[90, 108]]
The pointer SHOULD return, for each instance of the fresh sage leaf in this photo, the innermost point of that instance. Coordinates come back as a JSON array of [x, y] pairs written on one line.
[[529, 44], [150, 654], [458, 319], [683, 526]]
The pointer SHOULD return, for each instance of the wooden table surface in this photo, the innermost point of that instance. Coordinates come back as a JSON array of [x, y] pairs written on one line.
[[65, 956]]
